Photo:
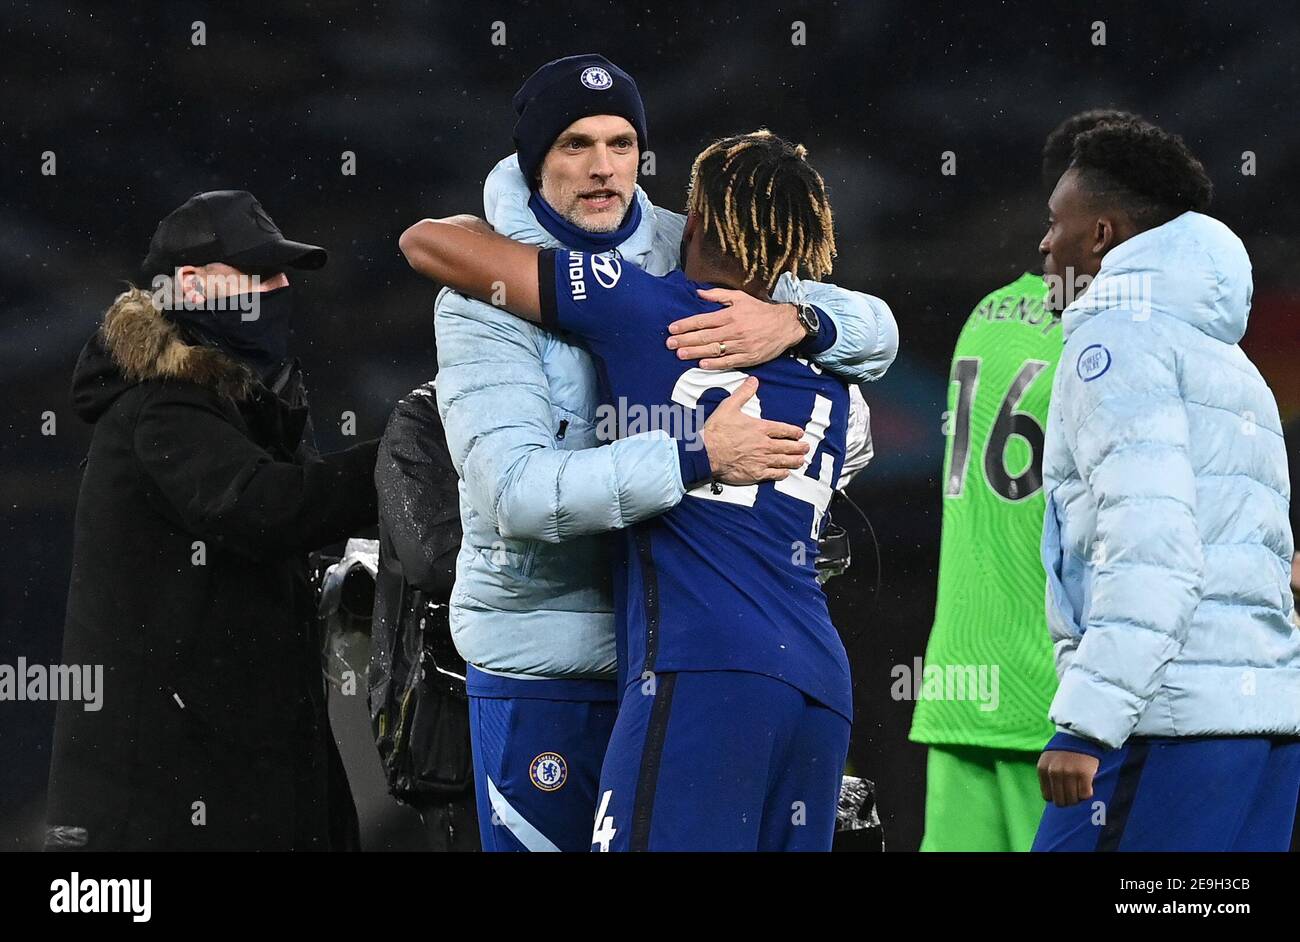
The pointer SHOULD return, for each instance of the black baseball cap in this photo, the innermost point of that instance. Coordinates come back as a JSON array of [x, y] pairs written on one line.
[[228, 226]]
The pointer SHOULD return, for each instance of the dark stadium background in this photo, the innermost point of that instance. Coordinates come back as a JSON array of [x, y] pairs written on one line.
[[139, 120]]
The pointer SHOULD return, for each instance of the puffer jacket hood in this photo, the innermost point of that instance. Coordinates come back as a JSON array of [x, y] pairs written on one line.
[[136, 343], [1193, 268]]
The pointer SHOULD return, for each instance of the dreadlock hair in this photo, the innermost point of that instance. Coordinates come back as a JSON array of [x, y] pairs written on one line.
[[1144, 169], [1058, 149], [763, 205]]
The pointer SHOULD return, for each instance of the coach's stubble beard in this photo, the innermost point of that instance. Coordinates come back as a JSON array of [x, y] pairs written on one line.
[[569, 204], [596, 222]]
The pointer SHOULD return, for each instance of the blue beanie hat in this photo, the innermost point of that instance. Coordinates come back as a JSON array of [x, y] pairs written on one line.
[[563, 91]]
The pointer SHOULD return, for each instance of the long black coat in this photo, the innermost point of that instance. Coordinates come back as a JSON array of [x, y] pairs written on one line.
[[198, 504]]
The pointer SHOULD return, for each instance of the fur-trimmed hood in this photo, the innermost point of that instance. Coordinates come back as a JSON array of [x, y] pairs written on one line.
[[136, 343]]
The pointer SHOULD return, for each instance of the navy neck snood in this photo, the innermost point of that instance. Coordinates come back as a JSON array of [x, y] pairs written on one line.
[[574, 237], [261, 341]]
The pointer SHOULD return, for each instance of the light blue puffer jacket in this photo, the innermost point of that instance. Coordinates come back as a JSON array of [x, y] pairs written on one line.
[[538, 498], [1166, 539]]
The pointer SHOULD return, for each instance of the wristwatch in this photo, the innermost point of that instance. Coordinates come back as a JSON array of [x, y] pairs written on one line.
[[808, 319]]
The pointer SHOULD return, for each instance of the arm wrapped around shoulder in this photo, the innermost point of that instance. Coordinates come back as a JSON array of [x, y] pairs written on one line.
[[495, 402]]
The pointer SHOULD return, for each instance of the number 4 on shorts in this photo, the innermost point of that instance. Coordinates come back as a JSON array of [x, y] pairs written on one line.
[[604, 830]]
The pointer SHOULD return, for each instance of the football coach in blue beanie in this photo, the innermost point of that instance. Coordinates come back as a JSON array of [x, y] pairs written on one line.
[[542, 486]]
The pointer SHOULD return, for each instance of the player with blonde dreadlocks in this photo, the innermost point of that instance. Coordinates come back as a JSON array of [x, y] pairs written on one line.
[[732, 192], [733, 726]]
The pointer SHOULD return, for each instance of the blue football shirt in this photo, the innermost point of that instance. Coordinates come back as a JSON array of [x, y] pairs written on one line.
[[726, 580]]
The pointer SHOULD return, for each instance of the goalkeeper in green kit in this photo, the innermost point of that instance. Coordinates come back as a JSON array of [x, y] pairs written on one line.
[[989, 678]]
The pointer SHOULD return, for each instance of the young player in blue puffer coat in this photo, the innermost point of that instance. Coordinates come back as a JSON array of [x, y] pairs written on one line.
[[1166, 539]]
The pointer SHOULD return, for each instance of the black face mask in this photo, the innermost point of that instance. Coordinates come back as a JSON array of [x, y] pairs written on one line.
[[253, 328]]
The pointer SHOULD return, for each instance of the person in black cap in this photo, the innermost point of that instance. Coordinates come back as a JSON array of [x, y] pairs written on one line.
[[217, 266], [202, 496]]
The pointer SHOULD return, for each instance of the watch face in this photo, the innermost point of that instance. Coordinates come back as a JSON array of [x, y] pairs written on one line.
[[808, 317]]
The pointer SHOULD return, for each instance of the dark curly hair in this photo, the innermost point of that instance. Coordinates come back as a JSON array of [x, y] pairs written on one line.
[[1058, 149], [1142, 168]]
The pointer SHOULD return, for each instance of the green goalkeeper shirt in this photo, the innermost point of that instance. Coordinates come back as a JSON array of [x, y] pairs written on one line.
[[989, 677]]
